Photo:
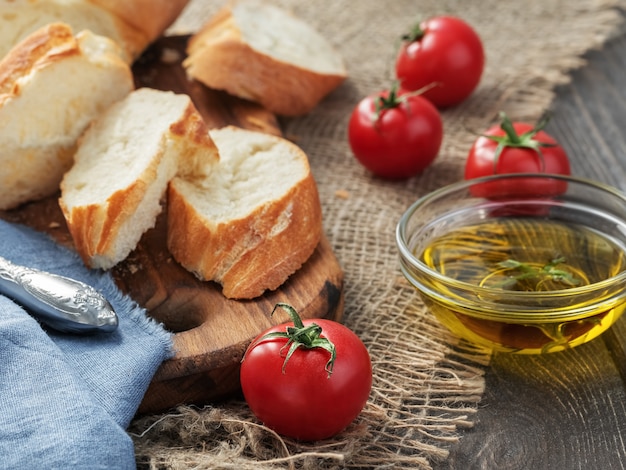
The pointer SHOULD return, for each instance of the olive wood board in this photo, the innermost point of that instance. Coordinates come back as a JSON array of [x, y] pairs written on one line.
[[211, 332]]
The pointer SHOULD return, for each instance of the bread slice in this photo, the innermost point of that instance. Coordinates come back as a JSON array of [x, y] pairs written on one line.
[[250, 223], [52, 85], [132, 24], [262, 53], [123, 164], [150, 17]]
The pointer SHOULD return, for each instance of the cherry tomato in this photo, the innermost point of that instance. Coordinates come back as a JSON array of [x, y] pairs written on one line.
[[395, 136], [306, 379], [443, 53], [517, 147]]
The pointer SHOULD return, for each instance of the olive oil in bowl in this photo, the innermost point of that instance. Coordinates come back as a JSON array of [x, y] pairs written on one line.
[[531, 269], [512, 257]]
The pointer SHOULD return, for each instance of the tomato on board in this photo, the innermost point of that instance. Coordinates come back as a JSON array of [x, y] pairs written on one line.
[[306, 379], [517, 147], [445, 54], [395, 136]]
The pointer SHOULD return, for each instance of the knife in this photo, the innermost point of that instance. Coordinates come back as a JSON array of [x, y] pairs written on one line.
[[60, 302]]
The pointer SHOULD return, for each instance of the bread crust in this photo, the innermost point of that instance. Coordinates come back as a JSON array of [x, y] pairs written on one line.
[[220, 58], [23, 17], [252, 254], [133, 24], [96, 228], [151, 17], [38, 143], [35, 51]]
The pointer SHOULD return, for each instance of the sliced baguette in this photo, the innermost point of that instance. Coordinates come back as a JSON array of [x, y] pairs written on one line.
[[262, 53], [133, 25], [250, 223], [52, 85], [150, 17], [123, 164]]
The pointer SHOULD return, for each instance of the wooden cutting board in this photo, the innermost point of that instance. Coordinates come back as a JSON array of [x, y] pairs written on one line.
[[211, 331]]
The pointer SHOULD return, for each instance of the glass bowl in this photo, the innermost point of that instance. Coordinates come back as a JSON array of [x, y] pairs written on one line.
[[522, 263]]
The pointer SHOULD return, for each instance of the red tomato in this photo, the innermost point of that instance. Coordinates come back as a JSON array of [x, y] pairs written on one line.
[[306, 379], [393, 136], [517, 147], [443, 53]]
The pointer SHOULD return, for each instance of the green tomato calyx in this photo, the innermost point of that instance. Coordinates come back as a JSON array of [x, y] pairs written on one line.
[[390, 101], [525, 140], [300, 336], [394, 100], [416, 33]]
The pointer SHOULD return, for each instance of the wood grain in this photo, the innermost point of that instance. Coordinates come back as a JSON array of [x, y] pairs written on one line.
[[545, 412], [211, 331], [565, 410]]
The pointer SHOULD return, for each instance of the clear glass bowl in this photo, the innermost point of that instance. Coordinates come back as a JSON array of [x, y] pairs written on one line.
[[523, 263]]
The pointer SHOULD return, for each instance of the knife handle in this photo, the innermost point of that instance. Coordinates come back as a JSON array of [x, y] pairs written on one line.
[[60, 302]]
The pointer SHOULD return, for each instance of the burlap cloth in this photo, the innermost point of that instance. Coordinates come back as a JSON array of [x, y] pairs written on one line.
[[427, 386]]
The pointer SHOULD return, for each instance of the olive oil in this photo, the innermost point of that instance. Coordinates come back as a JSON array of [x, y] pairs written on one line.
[[517, 255]]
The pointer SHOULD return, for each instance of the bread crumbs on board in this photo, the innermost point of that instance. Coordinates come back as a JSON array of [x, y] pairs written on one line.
[[342, 194]]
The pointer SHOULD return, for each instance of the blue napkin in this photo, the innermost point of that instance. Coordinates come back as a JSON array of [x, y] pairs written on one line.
[[66, 400]]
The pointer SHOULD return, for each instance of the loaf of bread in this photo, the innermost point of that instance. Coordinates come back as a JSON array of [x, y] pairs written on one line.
[[264, 54], [252, 221], [112, 194], [52, 84], [150, 17], [132, 24]]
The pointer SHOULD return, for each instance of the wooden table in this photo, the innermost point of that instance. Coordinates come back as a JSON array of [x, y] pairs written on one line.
[[565, 410]]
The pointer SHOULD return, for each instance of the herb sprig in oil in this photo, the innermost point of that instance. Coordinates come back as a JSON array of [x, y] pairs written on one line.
[[525, 276]]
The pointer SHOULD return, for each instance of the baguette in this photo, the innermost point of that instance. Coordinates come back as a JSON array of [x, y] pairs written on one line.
[[133, 25], [150, 17], [261, 53], [52, 84], [251, 222], [123, 164]]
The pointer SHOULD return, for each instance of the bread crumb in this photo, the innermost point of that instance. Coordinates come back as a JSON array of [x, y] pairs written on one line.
[[54, 225], [342, 194], [133, 268], [170, 56]]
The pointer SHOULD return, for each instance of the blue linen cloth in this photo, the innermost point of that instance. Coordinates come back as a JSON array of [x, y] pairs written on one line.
[[66, 400]]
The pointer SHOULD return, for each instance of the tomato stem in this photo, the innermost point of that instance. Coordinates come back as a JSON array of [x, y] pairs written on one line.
[[301, 336], [388, 102], [513, 139], [393, 99], [416, 33]]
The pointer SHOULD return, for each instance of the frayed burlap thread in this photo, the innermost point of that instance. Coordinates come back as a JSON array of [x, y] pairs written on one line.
[[427, 385]]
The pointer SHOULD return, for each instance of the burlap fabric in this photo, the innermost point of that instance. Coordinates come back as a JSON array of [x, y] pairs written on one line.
[[427, 386]]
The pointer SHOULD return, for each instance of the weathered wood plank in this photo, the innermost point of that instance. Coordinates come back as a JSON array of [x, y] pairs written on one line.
[[558, 411], [565, 410]]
